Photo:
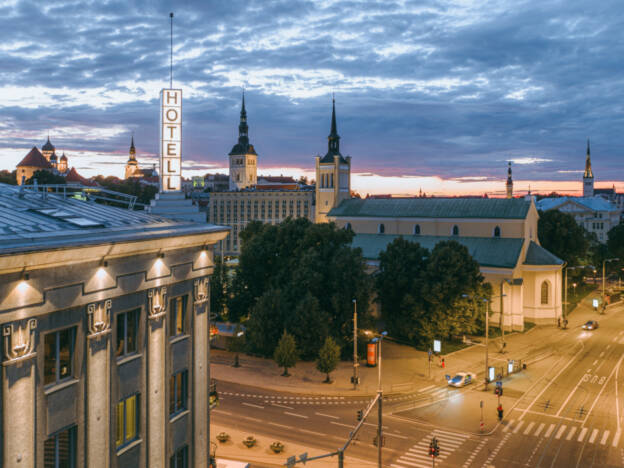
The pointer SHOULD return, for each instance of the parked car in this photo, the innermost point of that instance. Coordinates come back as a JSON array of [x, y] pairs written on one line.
[[590, 325], [461, 379]]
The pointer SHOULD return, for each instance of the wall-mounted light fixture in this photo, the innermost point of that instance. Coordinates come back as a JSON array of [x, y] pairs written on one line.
[[161, 255], [103, 263]]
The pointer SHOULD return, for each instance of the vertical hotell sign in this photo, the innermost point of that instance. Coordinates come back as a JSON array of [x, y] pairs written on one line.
[[170, 140]]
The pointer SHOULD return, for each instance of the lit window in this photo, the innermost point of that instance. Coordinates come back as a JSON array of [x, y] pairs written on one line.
[[180, 458], [545, 292], [127, 330], [59, 451], [381, 229], [127, 420], [59, 356], [177, 313], [178, 392]]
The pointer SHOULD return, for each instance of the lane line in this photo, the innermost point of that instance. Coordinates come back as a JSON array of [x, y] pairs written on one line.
[[593, 435], [282, 406], [517, 428], [313, 433], [281, 425], [539, 429], [508, 426], [616, 439], [529, 427], [595, 362], [327, 415], [339, 424], [220, 411], [456, 434], [395, 435], [560, 431], [582, 434], [571, 433], [252, 405], [605, 436], [549, 430], [296, 415], [617, 366], [602, 354]]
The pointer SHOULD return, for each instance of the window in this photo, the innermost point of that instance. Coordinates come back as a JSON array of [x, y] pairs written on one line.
[[456, 230], [59, 451], [127, 329], [59, 356], [417, 230], [177, 392], [381, 229], [545, 292], [180, 458], [177, 314], [348, 227], [127, 420], [497, 231]]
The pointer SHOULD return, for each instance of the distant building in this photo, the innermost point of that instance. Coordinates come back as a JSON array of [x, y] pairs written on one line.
[[595, 214], [509, 185], [105, 323], [132, 165], [500, 234], [243, 157], [44, 160]]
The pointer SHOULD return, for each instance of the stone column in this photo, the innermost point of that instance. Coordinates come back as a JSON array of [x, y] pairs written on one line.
[[98, 385], [18, 405], [156, 410], [201, 374]]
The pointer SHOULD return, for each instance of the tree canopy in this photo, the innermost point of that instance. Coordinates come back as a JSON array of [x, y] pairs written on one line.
[[286, 353], [45, 178], [559, 233]]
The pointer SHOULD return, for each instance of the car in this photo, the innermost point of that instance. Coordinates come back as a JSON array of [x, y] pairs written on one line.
[[590, 325], [461, 379]]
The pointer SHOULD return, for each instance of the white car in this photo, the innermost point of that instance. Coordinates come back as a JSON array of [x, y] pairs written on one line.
[[461, 379]]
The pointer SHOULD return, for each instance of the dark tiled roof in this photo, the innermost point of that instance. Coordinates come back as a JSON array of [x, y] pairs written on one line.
[[35, 159], [498, 252], [492, 208], [538, 255], [241, 149], [329, 158], [48, 146]]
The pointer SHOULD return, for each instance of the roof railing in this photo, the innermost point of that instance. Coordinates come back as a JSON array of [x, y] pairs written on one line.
[[90, 193]]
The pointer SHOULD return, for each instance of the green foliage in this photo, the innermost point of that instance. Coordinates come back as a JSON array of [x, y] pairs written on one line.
[[559, 233], [144, 193], [8, 178], [219, 288], [45, 178], [615, 243], [265, 323], [286, 354], [328, 357], [422, 293], [315, 273]]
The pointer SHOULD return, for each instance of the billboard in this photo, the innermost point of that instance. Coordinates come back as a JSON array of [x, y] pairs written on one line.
[[170, 140]]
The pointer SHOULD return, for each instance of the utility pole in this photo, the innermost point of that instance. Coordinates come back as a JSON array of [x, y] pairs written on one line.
[[487, 319], [565, 293], [502, 321], [355, 356], [379, 402]]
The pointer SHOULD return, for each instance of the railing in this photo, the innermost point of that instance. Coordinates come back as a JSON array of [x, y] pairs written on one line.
[[89, 193]]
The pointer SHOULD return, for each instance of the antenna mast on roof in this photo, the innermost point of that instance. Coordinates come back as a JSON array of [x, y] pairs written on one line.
[[171, 53]]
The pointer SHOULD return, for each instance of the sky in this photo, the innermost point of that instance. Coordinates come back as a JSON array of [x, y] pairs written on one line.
[[435, 94]]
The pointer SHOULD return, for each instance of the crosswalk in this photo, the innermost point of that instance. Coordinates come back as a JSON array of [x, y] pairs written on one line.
[[564, 432], [417, 456]]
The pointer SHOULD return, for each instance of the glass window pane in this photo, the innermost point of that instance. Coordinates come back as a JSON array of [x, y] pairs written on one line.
[[131, 335], [49, 361], [64, 449], [65, 345], [119, 349], [179, 393], [131, 418], [179, 316], [49, 452], [120, 423]]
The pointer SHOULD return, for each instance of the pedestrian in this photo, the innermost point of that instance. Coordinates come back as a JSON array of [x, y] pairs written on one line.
[[559, 323], [500, 412], [443, 365]]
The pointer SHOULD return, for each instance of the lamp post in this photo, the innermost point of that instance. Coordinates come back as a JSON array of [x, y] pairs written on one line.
[[379, 400], [487, 320], [355, 358], [604, 262]]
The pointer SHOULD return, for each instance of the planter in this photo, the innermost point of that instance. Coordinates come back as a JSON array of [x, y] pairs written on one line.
[[249, 442], [277, 447], [223, 437]]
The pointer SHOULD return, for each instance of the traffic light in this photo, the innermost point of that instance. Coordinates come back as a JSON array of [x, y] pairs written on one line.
[[436, 448], [360, 414]]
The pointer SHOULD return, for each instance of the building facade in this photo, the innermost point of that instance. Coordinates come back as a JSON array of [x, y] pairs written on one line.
[[105, 323], [44, 160], [243, 158], [500, 234]]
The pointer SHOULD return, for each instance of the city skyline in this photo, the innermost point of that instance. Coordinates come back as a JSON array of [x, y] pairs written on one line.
[[434, 112]]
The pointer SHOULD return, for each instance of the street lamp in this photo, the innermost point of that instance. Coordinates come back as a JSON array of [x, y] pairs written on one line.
[[487, 319], [379, 339], [355, 357], [604, 262]]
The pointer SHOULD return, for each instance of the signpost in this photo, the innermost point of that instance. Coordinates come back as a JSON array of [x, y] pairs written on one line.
[[437, 346], [170, 140]]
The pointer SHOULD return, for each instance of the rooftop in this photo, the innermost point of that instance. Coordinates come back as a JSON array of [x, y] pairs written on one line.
[[32, 221], [34, 158], [538, 255], [596, 203], [492, 208]]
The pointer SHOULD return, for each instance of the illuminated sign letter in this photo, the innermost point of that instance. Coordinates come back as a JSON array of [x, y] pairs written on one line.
[[170, 140]]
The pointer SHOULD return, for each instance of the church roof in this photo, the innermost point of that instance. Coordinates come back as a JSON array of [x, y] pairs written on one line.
[[53, 157], [63, 157], [497, 252], [35, 159], [490, 208], [242, 148], [538, 255], [48, 146]]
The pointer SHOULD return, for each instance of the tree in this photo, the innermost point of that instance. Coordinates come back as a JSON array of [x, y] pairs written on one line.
[[45, 178], [309, 325], [219, 288], [559, 234], [8, 178], [286, 353], [328, 358], [265, 322], [615, 242]]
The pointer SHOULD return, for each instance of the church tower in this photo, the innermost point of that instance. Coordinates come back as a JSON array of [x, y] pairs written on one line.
[[588, 175], [333, 174], [132, 166], [62, 164], [48, 149], [509, 181], [243, 157]]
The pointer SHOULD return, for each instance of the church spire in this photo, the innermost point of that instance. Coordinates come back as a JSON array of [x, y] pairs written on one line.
[[243, 129], [588, 170], [509, 181], [132, 149], [333, 144]]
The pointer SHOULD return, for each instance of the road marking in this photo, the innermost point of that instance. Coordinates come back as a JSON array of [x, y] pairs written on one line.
[[282, 406], [616, 438], [508, 426], [375, 425], [593, 436], [560, 432], [529, 427], [605, 436], [617, 366], [427, 388], [601, 354], [252, 405], [517, 428], [313, 433], [220, 411], [582, 434], [607, 348], [340, 424], [327, 415], [296, 415], [281, 425], [395, 435], [539, 429], [571, 433], [614, 338], [252, 419], [549, 430]]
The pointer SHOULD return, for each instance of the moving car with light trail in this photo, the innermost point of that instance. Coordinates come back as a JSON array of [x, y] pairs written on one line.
[[461, 379], [590, 325]]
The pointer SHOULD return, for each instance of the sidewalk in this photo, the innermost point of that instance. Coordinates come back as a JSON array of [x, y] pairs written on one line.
[[404, 369]]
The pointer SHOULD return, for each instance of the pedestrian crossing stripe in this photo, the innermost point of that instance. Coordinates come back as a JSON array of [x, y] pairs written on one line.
[[417, 455], [562, 431]]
